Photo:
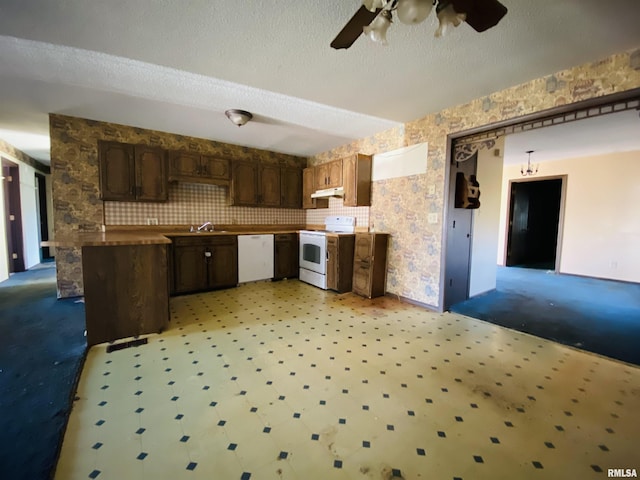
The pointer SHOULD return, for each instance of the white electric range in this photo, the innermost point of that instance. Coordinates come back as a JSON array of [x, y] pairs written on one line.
[[313, 249]]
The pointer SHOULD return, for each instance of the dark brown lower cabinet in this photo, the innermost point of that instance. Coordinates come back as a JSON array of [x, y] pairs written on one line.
[[370, 264], [126, 292], [339, 262], [285, 261], [204, 262]]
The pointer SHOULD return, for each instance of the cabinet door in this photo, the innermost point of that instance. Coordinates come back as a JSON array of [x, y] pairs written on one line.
[[334, 174], [362, 279], [190, 268], [117, 171], [270, 186], [223, 265], [308, 187], [215, 169], [363, 248], [321, 176], [285, 256], [332, 263], [244, 184], [184, 166], [356, 180], [291, 187], [151, 174]]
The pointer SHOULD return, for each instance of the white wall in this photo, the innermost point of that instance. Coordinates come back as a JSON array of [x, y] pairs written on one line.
[[601, 218], [30, 220], [486, 221]]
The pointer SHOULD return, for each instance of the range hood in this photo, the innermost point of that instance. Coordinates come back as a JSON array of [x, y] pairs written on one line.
[[328, 192]]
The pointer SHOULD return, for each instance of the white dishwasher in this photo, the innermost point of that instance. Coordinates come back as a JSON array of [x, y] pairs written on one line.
[[255, 257]]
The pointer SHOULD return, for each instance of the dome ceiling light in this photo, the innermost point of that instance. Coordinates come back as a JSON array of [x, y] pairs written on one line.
[[238, 117]]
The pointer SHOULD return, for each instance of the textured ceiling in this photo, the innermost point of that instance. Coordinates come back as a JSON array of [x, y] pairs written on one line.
[[176, 66]]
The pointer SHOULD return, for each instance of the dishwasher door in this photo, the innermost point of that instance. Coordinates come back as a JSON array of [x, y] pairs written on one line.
[[255, 257]]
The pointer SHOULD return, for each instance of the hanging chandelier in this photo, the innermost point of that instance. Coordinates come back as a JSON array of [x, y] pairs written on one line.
[[530, 169]]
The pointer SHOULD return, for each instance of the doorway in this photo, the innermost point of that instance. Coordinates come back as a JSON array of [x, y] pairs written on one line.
[[41, 205], [13, 216], [534, 223]]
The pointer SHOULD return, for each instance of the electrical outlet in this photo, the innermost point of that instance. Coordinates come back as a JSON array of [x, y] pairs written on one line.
[[152, 221], [432, 218], [431, 190]]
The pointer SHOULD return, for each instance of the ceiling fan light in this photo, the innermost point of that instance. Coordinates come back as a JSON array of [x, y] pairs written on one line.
[[377, 30], [373, 5], [447, 17], [411, 12], [238, 117]]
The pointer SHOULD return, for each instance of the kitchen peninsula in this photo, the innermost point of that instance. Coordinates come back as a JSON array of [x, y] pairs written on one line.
[[128, 274]]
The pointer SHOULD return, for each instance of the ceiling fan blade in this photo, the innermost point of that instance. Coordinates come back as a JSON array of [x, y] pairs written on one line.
[[353, 28], [481, 14]]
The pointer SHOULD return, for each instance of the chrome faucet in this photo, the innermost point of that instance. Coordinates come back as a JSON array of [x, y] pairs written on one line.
[[206, 226]]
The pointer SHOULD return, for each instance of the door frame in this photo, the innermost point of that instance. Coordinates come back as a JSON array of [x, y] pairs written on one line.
[[541, 117], [563, 193], [13, 207]]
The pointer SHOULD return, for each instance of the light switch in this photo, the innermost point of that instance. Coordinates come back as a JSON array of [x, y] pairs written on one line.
[[431, 190], [432, 218]]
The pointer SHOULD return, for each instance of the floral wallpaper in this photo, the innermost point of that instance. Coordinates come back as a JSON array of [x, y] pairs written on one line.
[[400, 206], [75, 181]]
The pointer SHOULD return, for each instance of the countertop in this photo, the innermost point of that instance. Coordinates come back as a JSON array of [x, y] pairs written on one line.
[[155, 235]]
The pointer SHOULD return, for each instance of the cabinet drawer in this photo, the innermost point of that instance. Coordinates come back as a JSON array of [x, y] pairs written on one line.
[[285, 237], [204, 240]]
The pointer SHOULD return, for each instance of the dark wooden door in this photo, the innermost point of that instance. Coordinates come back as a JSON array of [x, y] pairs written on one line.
[[286, 256], [184, 165], [117, 171], [518, 225], [291, 187], [190, 268], [151, 174], [332, 263], [270, 185], [13, 216], [223, 265], [215, 168], [244, 184], [334, 174], [362, 265]]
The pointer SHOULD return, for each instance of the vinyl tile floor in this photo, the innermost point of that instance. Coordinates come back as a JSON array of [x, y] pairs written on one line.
[[283, 380]]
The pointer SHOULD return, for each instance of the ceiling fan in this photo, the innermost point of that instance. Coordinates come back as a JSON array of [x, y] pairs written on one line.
[[375, 16]]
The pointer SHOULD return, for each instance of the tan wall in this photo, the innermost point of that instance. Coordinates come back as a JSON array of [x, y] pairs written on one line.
[[76, 198], [601, 230], [400, 206], [486, 220]]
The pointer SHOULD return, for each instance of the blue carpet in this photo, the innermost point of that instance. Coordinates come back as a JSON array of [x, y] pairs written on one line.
[[42, 348], [600, 316]]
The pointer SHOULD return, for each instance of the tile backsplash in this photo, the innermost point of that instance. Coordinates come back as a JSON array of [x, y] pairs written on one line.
[[194, 204], [336, 208]]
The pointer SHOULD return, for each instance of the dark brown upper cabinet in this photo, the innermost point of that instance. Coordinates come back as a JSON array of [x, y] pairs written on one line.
[[356, 180], [192, 167], [244, 184], [329, 175], [132, 172], [291, 187], [308, 187], [255, 184]]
